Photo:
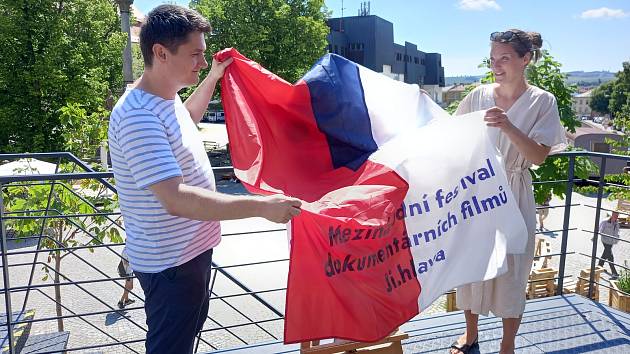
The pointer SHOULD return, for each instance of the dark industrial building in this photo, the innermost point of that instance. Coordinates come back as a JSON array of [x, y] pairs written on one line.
[[369, 40]]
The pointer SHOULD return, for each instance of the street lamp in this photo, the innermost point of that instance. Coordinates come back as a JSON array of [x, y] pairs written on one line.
[[125, 7]]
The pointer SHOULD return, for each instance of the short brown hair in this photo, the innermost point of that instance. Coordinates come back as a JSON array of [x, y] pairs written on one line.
[[169, 25]]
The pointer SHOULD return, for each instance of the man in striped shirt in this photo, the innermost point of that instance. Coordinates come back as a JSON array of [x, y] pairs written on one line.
[[165, 182]]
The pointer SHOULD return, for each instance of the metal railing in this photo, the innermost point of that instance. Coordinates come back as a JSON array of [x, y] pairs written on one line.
[[601, 183], [55, 182], [82, 287]]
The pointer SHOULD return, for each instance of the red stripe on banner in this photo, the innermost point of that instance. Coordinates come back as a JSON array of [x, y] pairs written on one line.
[[279, 147], [351, 273]]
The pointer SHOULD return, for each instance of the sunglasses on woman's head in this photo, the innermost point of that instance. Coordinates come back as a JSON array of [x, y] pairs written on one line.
[[504, 37]]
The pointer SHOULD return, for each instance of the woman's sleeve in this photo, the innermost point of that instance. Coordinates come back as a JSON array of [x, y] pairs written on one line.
[[548, 130], [465, 105]]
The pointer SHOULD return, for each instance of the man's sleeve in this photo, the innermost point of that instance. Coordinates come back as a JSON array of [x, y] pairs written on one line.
[[602, 226], [145, 146]]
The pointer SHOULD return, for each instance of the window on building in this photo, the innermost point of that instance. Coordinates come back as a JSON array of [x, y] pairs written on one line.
[[330, 48], [356, 46], [422, 61], [600, 147], [343, 51], [398, 56], [336, 49], [416, 60]]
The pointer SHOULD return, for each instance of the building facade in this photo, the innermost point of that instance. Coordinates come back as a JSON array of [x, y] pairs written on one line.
[[369, 41], [452, 94], [581, 103]]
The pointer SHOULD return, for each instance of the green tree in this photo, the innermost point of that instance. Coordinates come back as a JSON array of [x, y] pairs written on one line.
[[137, 60], [284, 36], [620, 94], [54, 53], [83, 132], [61, 60], [546, 74], [622, 123], [600, 98], [620, 109], [59, 234]]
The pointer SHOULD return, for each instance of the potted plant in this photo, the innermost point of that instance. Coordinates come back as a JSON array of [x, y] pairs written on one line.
[[616, 298]]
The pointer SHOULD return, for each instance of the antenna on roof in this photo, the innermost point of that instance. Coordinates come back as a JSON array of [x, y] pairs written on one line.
[[341, 19], [365, 9]]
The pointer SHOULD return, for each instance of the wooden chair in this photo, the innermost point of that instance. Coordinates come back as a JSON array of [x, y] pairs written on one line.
[[623, 207], [542, 283], [580, 285], [541, 254], [392, 344]]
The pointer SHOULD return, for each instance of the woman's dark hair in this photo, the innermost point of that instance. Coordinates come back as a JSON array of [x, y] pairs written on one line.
[[526, 42], [169, 25]]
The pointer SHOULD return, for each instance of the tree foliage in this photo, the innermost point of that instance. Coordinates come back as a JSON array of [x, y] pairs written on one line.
[[54, 53], [83, 132], [284, 36], [619, 103], [619, 107], [60, 63], [613, 98], [601, 97], [60, 234], [546, 74], [557, 169]]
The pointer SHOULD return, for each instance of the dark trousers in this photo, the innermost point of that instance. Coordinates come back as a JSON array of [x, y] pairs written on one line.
[[608, 255], [176, 305]]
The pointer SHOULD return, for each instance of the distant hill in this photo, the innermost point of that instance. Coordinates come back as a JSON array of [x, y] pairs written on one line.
[[452, 80], [582, 78]]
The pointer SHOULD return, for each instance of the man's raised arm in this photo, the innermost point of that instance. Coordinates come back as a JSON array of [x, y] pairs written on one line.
[[198, 102]]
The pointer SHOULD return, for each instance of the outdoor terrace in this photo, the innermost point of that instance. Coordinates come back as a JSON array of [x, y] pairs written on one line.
[[249, 280]]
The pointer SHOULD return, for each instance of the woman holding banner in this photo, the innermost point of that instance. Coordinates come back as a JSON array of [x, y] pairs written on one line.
[[525, 125]]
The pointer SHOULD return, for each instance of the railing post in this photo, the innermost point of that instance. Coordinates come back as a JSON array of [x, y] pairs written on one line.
[[600, 191], [5, 274], [565, 225]]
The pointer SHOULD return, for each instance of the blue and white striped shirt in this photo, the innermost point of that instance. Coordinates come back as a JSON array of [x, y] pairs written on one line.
[[150, 140]]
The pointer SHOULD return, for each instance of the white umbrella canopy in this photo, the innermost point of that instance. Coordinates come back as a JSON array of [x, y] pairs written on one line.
[[27, 167]]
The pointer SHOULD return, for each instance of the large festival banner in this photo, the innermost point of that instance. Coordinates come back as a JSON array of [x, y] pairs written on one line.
[[402, 201]]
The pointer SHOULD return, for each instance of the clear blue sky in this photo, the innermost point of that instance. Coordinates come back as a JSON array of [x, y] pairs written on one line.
[[582, 34]]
